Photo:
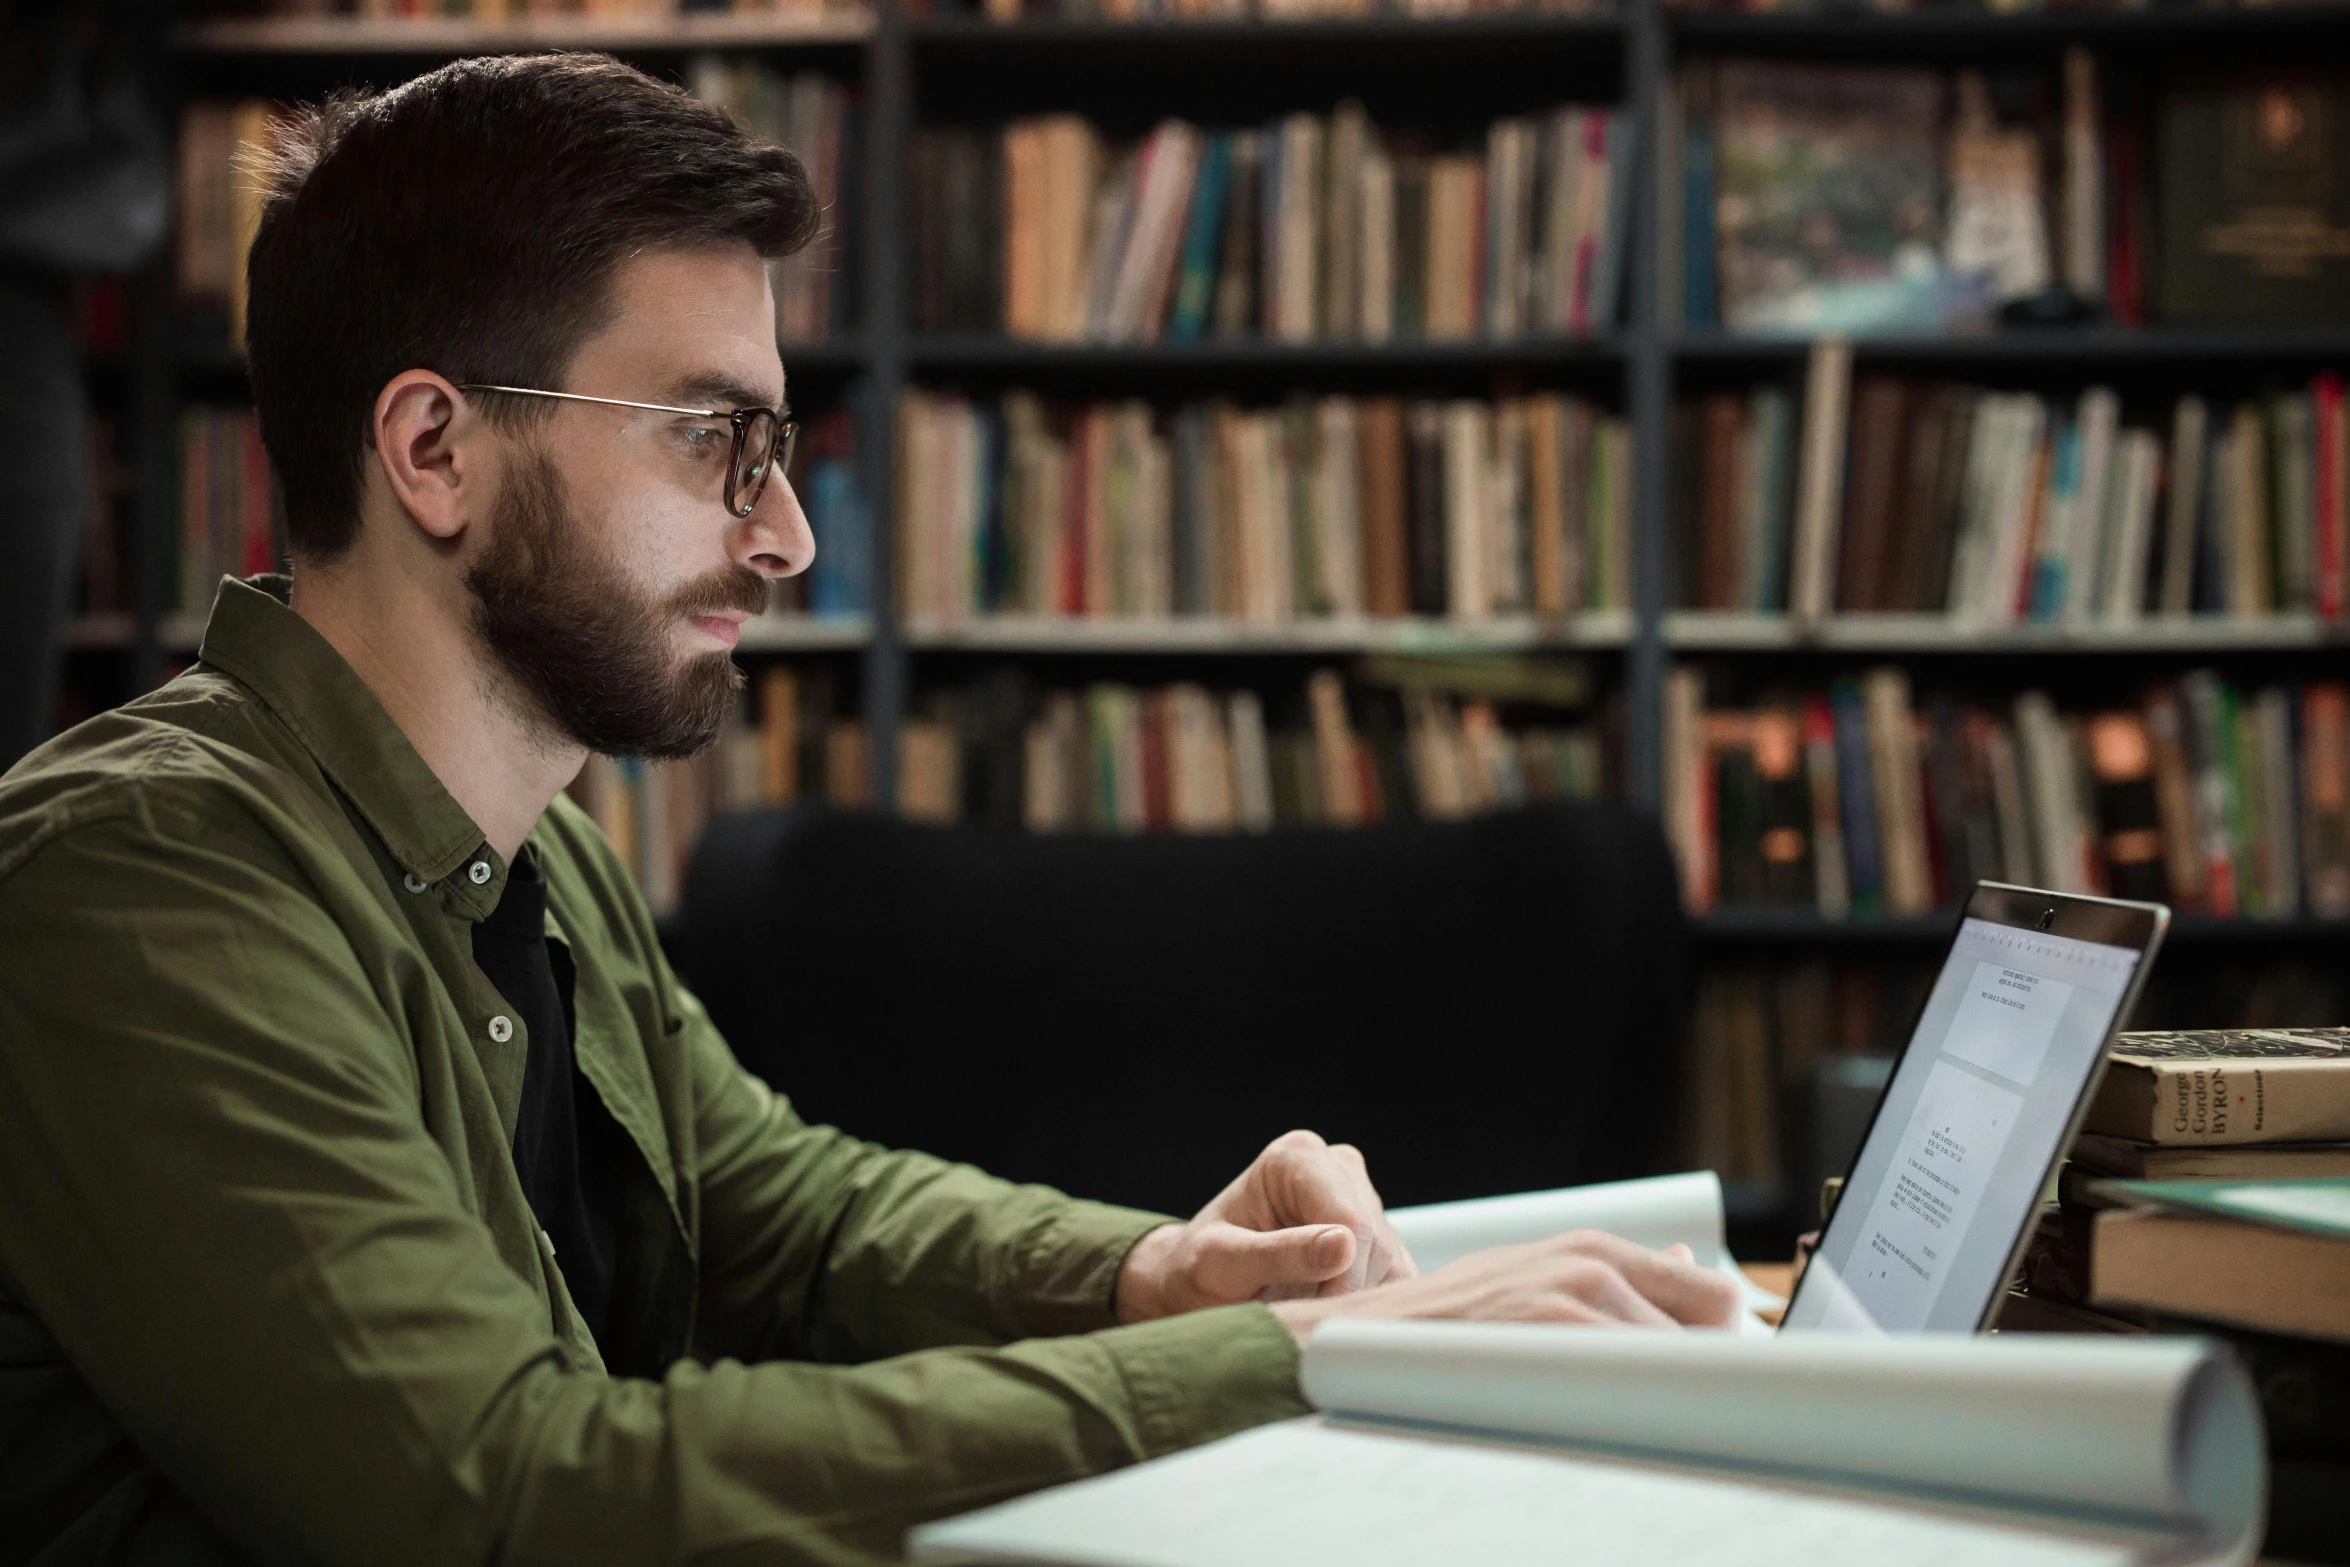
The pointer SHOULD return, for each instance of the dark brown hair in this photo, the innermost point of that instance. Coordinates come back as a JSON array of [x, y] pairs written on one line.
[[469, 222]]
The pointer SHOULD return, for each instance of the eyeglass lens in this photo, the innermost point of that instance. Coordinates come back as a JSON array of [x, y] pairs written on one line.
[[756, 455]]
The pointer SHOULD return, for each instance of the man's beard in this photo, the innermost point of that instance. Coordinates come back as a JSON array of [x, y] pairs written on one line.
[[584, 644]]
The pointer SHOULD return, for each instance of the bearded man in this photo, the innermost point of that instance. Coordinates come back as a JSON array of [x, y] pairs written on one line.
[[370, 1190]]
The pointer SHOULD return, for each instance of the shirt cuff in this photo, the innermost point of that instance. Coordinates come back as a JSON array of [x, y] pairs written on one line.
[[1071, 1264], [1205, 1374]]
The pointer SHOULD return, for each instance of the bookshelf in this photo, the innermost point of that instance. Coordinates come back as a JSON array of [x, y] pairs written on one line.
[[909, 71]]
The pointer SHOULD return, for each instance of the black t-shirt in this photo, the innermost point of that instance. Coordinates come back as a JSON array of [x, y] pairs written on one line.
[[567, 1147]]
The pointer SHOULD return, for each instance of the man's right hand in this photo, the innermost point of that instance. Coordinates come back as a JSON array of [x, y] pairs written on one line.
[[1586, 1276]]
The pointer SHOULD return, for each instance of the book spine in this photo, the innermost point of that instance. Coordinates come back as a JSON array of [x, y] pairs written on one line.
[[1856, 791], [1820, 488], [2331, 500], [2218, 1100]]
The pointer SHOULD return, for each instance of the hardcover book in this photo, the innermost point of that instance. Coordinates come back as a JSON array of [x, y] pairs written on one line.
[[2255, 179]]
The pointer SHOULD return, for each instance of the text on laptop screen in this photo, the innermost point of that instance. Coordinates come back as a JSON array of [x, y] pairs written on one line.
[[1961, 1145]]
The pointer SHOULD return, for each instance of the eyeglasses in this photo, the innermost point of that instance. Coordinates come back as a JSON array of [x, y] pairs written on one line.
[[763, 438]]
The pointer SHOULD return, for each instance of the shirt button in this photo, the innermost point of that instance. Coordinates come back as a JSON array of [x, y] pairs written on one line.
[[501, 1029], [414, 882], [480, 872]]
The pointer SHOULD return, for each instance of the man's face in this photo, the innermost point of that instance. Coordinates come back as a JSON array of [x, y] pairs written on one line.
[[614, 581]]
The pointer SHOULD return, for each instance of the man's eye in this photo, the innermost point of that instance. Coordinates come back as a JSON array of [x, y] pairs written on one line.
[[703, 441]]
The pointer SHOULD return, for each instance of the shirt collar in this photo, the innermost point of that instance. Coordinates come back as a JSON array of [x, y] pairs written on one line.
[[255, 636]]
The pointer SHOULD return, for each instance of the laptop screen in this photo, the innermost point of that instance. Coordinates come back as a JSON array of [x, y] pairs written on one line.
[[1953, 1165]]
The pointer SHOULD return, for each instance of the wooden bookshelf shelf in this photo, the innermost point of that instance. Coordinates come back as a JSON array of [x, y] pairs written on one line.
[[1043, 634], [1795, 925], [1016, 356], [338, 35], [1707, 631], [806, 633]]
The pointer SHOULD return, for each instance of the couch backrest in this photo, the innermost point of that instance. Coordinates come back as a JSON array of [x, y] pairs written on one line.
[[1483, 1006]]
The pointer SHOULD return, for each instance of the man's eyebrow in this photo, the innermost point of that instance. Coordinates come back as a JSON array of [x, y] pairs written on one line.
[[715, 389]]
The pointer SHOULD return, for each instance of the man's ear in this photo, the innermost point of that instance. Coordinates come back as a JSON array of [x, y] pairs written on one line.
[[427, 443]]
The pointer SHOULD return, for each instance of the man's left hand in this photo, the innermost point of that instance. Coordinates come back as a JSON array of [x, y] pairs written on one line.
[[1301, 1220]]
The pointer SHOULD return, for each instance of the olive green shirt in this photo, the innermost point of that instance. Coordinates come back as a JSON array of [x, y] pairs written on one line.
[[269, 1288]]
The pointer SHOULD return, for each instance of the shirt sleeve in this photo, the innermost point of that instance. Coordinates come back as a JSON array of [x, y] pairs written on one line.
[[220, 1195], [818, 1246]]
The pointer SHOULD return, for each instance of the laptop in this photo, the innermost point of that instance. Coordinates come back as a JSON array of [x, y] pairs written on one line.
[[1982, 1104]]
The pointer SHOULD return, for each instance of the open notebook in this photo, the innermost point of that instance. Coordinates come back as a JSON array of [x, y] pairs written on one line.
[[1505, 1444]]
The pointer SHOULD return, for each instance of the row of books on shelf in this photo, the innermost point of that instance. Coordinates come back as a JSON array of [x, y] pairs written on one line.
[[809, 113], [1319, 507], [1126, 759], [229, 511], [1998, 508], [218, 200], [1853, 801], [229, 522], [1808, 197], [1310, 228]]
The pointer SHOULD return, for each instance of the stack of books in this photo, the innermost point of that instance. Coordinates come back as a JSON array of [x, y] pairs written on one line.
[[1329, 507], [2210, 1192], [1857, 800], [1311, 228], [2006, 508]]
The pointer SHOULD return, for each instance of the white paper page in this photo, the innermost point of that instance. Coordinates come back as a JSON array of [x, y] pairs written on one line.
[[1306, 1493], [2166, 1429], [1657, 1211], [1929, 1195]]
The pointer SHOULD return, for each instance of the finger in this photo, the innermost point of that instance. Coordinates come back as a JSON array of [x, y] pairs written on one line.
[[1689, 1293], [1235, 1264], [1311, 1184], [1388, 1259], [1606, 1291]]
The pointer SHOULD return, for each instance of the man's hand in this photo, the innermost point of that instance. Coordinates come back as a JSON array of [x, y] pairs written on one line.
[[1302, 1220], [1581, 1276]]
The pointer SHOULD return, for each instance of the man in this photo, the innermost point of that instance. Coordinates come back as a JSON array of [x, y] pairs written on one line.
[[369, 1189]]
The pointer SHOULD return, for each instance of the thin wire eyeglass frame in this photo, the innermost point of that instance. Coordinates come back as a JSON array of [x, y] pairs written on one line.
[[785, 436]]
